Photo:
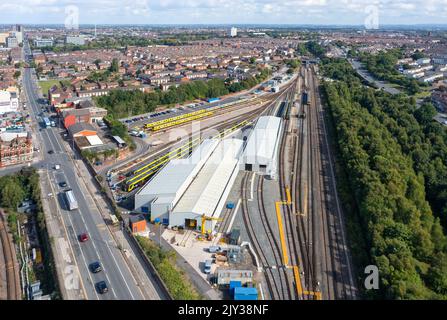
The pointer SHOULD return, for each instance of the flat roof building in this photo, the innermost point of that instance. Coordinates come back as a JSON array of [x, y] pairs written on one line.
[[207, 194], [163, 191], [186, 190], [261, 151]]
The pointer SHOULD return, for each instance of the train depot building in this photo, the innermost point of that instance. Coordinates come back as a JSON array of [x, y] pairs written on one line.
[[192, 191], [261, 152]]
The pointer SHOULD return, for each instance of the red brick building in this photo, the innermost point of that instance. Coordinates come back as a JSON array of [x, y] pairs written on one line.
[[15, 148]]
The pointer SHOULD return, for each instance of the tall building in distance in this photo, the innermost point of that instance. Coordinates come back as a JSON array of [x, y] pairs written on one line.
[[18, 33], [12, 42], [76, 40], [233, 32], [40, 43]]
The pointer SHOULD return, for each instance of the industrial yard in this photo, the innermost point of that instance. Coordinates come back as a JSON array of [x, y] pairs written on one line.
[[221, 199], [260, 164]]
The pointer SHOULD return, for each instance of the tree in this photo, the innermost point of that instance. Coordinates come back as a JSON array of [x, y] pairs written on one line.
[[114, 67], [417, 55], [393, 156], [11, 193], [425, 113]]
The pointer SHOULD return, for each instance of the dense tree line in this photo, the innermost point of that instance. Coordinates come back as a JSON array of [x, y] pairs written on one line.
[[121, 104], [14, 189], [395, 155]]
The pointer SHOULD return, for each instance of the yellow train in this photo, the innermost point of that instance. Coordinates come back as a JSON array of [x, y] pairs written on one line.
[[147, 171], [168, 120], [180, 121]]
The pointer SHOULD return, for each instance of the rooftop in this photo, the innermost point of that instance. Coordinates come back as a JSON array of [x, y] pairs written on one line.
[[205, 192], [170, 179]]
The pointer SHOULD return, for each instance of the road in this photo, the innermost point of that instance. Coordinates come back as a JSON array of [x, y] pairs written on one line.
[[365, 75], [101, 246]]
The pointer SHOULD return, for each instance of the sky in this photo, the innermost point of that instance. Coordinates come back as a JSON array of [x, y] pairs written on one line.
[[318, 12]]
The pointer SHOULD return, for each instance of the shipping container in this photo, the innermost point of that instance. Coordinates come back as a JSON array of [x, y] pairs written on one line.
[[211, 100], [242, 293]]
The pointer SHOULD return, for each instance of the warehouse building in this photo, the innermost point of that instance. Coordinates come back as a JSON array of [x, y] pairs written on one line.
[[162, 193], [261, 152], [189, 191], [205, 198]]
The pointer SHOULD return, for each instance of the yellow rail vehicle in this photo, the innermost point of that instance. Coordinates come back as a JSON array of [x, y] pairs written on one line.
[[182, 116], [181, 121], [153, 167]]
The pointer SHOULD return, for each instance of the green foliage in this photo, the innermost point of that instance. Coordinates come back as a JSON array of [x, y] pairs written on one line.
[[316, 49], [293, 63], [301, 49], [418, 55], [11, 192], [114, 67], [164, 261], [395, 156], [119, 129]]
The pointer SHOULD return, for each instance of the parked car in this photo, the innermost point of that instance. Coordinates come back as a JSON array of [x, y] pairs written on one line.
[[207, 267], [214, 249]]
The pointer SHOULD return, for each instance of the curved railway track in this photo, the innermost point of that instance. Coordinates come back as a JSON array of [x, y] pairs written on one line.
[[12, 273], [276, 278]]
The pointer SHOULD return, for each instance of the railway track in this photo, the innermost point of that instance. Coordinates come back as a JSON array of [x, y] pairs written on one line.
[[301, 196], [337, 274], [13, 289], [276, 277], [317, 247]]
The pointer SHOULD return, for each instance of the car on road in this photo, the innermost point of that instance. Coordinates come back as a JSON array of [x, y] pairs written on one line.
[[95, 267], [63, 184], [83, 237], [51, 152], [102, 287]]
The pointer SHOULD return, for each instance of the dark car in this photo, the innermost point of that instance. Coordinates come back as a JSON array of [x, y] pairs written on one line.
[[95, 267], [50, 152], [102, 287], [63, 184]]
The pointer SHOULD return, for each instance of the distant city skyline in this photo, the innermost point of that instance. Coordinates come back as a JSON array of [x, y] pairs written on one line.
[[315, 12]]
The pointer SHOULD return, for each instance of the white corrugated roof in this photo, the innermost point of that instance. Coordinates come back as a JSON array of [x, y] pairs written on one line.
[[261, 143], [172, 177], [204, 193], [94, 140]]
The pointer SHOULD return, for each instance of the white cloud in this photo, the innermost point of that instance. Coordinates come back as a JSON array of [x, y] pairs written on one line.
[[224, 11]]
